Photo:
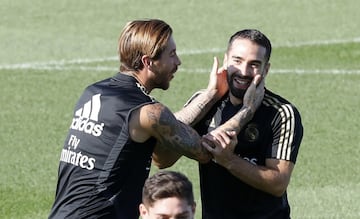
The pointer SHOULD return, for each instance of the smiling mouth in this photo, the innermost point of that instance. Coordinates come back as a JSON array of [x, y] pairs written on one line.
[[241, 83]]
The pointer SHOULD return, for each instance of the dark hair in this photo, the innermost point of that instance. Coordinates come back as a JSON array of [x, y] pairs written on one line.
[[142, 37], [166, 184], [255, 36]]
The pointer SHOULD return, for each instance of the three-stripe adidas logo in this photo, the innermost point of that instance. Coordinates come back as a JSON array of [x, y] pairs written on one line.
[[86, 118]]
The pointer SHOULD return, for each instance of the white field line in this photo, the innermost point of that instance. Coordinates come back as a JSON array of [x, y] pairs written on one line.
[[195, 70], [320, 42], [64, 64], [288, 71], [198, 70]]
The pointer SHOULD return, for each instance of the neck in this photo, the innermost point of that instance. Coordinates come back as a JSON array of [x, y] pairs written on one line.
[[234, 100], [138, 78]]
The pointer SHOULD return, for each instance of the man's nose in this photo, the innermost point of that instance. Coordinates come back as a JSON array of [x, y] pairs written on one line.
[[245, 69], [178, 61]]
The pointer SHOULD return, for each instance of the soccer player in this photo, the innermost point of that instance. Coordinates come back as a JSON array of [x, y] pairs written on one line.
[[249, 179], [116, 125]]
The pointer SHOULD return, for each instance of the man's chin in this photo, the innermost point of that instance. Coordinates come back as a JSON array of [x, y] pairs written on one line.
[[238, 93]]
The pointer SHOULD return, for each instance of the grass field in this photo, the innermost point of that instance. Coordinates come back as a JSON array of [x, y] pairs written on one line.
[[51, 50]]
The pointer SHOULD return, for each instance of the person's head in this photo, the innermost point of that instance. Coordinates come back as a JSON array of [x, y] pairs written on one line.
[[149, 45], [247, 55], [167, 195]]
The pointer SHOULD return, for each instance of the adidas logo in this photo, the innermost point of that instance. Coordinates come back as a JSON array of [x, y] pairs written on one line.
[[86, 118]]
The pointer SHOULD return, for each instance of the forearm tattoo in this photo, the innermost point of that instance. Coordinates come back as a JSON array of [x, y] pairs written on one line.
[[196, 109], [238, 121], [176, 135]]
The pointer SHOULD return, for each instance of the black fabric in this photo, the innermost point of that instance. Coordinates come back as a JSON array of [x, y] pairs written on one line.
[[274, 132], [102, 171]]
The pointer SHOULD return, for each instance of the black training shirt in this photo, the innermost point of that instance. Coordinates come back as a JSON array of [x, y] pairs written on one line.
[[102, 171], [274, 132]]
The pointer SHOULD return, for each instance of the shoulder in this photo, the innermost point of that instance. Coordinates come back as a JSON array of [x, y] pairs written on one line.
[[155, 113], [154, 107], [278, 103], [271, 98], [152, 119]]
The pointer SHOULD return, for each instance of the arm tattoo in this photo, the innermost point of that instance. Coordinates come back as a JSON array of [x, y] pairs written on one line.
[[196, 108], [176, 135], [238, 121]]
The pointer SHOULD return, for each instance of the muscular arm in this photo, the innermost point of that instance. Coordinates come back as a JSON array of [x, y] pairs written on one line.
[[163, 156], [193, 111], [157, 120], [252, 100], [273, 178], [197, 107]]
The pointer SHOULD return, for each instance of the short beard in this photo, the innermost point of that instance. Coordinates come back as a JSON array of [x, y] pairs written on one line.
[[238, 93]]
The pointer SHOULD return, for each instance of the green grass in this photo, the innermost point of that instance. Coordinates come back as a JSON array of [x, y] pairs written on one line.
[[315, 64]]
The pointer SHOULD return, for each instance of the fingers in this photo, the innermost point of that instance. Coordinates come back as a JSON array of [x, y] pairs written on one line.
[[213, 75], [218, 82], [257, 80], [261, 85], [209, 142], [255, 93], [231, 134], [260, 89], [209, 147], [220, 146], [215, 66], [216, 69], [222, 74], [222, 138], [233, 138]]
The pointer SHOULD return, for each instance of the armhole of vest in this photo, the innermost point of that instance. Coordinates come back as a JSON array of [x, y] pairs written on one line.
[[197, 93], [127, 119]]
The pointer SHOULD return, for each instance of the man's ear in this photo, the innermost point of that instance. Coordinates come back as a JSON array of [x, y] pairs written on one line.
[[146, 60], [142, 210]]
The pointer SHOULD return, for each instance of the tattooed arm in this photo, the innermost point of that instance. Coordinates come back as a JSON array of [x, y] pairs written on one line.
[[251, 102], [198, 105], [164, 156], [157, 121], [192, 112]]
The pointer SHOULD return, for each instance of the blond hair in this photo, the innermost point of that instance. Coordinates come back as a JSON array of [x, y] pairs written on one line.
[[142, 37]]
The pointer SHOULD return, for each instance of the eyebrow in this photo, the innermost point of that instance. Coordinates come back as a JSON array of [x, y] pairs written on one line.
[[185, 213], [252, 61]]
